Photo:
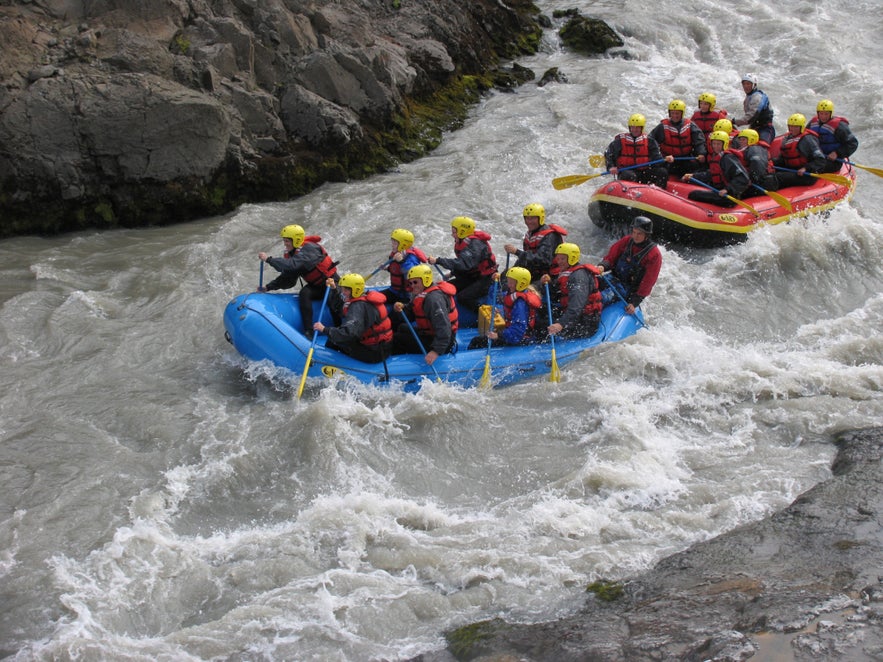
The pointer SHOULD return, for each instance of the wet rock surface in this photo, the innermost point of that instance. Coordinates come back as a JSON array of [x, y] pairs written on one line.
[[803, 584], [131, 113]]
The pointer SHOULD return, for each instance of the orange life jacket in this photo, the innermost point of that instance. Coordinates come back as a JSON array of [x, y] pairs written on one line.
[[325, 268], [380, 332], [632, 150], [790, 153], [533, 305], [396, 275], [677, 140], [422, 321], [593, 305]]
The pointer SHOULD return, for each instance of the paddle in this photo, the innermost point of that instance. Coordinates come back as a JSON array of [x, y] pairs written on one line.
[[303, 379], [837, 179], [485, 381], [619, 296], [568, 181], [781, 199], [379, 269], [555, 373], [261, 276], [696, 180], [419, 343], [874, 171]]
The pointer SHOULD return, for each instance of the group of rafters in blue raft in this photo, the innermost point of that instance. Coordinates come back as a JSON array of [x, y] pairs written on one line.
[[539, 318]]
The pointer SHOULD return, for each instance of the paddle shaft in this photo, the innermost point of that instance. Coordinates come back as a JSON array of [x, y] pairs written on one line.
[[303, 379], [555, 372], [696, 180], [569, 181], [379, 269], [874, 171], [261, 276], [419, 343]]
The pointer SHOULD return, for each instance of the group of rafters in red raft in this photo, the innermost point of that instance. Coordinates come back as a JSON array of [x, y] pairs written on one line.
[[710, 179]]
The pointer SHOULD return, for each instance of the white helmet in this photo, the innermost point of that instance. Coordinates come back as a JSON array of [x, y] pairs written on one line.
[[751, 78]]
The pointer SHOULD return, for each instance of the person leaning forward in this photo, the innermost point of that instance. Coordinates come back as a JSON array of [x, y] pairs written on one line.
[[434, 313], [836, 139], [365, 331], [306, 258], [473, 263], [635, 262], [578, 294], [539, 243]]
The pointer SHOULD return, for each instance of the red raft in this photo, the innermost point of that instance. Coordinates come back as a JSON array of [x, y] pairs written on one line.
[[676, 219]]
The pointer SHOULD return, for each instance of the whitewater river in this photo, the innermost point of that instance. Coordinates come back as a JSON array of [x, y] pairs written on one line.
[[164, 500]]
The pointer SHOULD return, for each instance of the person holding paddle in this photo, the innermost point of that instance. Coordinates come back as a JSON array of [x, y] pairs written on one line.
[[365, 331], [539, 243], [306, 258], [635, 261], [578, 294], [836, 140], [402, 258], [679, 139], [434, 312], [800, 152], [725, 173], [628, 150], [473, 263], [755, 156], [520, 307]]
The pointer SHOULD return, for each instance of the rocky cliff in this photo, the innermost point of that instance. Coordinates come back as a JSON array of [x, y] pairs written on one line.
[[803, 584], [133, 112]]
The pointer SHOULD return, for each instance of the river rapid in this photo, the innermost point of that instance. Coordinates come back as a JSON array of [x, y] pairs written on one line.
[[162, 499]]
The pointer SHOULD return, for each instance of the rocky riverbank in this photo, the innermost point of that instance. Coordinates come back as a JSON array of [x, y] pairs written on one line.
[[132, 113], [803, 584]]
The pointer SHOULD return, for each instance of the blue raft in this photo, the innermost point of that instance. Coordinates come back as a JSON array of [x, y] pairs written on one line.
[[266, 327]]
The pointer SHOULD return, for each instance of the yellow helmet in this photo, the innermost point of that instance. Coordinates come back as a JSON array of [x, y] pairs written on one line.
[[404, 237], [825, 106], [355, 282], [750, 135], [535, 209], [797, 119], [423, 272], [724, 125], [295, 233], [570, 250], [677, 104], [638, 120], [465, 226], [709, 98], [521, 276], [722, 136]]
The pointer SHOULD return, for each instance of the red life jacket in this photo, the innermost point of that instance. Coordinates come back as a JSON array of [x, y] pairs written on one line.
[[380, 332], [396, 275], [533, 241], [593, 305], [706, 121], [742, 154], [710, 151], [533, 305], [488, 265], [790, 154], [632, 150], [325, 268], [422, 321], [677, 140]]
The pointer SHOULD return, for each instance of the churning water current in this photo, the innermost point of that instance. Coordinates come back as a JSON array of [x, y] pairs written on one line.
[[164, 499]]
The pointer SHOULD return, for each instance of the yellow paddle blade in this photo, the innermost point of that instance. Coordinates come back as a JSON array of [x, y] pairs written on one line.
[[555, 373], [596, 160], [573, 180], [837, 179], [875, 171], [781, 199], [743, 204], [303, 379], [486, 375]]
